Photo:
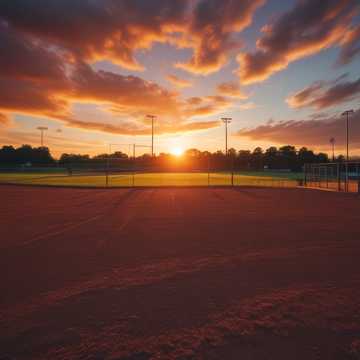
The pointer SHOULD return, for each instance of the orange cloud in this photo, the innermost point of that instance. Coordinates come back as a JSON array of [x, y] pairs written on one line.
[[178, 82], [22, 96], [206, 106], [314, 133], [350, 46], [51, 90], [96, 30], [161, 128], [210, 31], [4, 120], [321, 94], [115, 30], [308, 28], [231, 89]]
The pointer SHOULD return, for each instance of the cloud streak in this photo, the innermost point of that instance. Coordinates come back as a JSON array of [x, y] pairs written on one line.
[[94, 30], [178, 82], [311, 26], [51, 89], [321, 95], [115, 30], [350, 46], [4, 120], [231, 89], [209, 33], [307, 132]]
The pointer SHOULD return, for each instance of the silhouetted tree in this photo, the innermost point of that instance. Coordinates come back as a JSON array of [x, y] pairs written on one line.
[[25, 154]]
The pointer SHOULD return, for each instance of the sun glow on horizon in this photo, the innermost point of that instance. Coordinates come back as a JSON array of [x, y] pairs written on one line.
[[177, 151]]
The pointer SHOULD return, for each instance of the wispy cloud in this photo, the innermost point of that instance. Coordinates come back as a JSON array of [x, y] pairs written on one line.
[[311, 26], [178, 82], [231, 89], [306, 132], [52, 89], [209, 33], [115, 30], [324, 94], [350, 46]]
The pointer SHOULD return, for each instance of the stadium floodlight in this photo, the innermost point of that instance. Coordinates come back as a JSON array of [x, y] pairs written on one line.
[[347, 113], [226, 121], [332, 142], [152, 117], [42, 129]]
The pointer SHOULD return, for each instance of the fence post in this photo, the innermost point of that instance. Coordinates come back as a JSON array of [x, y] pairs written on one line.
[[208, 169], [326, 175], [232, 170], [339, 176], [107, 172]]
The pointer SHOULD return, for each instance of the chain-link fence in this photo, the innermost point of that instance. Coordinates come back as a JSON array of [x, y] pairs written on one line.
[[344, 176], [142, 172]]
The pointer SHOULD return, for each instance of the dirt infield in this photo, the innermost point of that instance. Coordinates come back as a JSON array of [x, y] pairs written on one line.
[[179, 274]]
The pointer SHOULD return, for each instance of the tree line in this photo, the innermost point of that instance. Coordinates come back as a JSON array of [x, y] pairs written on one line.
[[284, 157]]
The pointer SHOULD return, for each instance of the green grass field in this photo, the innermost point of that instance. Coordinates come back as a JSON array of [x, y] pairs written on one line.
[[152, 179]]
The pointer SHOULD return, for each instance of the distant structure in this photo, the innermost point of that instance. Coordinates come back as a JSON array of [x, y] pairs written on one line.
[[332, 142], [152, 117], [226, 121], [42, 129]]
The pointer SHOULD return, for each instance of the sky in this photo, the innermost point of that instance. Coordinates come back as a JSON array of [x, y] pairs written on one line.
[[91, 70]]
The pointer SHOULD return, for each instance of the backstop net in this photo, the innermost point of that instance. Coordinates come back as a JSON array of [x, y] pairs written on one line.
[[340, 176]]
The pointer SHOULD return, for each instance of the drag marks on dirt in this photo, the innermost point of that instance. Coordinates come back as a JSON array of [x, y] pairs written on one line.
[[81, 213], [256, 324], [182, 274], [101, 303]]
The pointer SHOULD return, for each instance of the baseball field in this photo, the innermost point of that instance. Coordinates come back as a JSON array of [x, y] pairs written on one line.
[[179, 273]]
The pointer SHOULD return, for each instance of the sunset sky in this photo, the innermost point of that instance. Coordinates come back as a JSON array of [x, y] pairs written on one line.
[[91, 70]]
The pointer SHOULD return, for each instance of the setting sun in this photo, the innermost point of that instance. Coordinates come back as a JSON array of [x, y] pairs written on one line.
[[177, 151]]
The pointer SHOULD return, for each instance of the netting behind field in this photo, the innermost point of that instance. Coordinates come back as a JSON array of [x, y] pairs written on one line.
[[333, 176], [124, 174]]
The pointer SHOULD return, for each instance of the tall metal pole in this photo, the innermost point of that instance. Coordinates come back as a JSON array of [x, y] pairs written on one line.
[[152, 117], [347, 113], [332, 142], [42, 129], [226, 121]]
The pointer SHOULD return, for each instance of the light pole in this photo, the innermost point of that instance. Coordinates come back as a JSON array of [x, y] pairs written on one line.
[[152, 117], [347, 113], [226, 121], [42, 129], [134, 157], [332, 142]]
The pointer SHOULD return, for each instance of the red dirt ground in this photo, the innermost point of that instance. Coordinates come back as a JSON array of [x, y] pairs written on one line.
[[179, 274]]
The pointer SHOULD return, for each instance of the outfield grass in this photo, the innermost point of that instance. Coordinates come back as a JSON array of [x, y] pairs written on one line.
[[152, 179]]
